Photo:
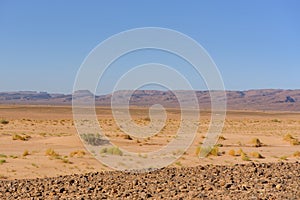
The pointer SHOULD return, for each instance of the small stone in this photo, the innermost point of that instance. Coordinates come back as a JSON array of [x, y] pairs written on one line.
[[228, 185], [135, 182], [278, 186]]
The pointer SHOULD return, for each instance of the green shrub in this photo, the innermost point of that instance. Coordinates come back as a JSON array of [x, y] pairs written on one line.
[[3, 121], [3, 156], [111, 151], [245, 157], [2, 161], [92, 139]]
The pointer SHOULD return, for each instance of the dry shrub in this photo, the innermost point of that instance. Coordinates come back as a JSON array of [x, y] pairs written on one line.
[[289, 138], [208, 151], [4, 122], [25, 153], [256, 142], [256, 155], [23, 137], [231, 152], [222, 137], [78, 153], [297, 154], [50, 152], [127, 137], [111, 151]]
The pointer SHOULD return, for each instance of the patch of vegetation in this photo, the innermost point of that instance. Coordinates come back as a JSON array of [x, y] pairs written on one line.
[[4, 122], [231, 152], [208, 151], [289, 138], [283, 158], [143, 155], [78, 153], [50, 152], [25, 153], [92, 139], [127, 137], [256, 155], [65, 160], [2, 161], [276, 120], [245, 157], [13, 156], [111, 151], [296, 154], [23, 137], [147, 119], [3, 177], [34, 165], [54, 155], [3, 156], [221, 137], [256, 142], [43, 134]]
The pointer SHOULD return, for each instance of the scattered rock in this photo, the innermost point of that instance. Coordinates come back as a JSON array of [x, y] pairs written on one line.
[[244, 181]]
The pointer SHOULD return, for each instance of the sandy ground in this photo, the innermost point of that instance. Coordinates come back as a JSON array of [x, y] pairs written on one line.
[[52, 128]]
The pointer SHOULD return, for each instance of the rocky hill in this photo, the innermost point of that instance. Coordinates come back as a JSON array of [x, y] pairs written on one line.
[[266, 99]]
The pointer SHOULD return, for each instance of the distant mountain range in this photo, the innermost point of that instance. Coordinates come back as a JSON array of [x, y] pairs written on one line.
[[265, 99]]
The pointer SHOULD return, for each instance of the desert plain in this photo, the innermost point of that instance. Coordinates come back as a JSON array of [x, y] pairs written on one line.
[[42, 141], [42, 157]]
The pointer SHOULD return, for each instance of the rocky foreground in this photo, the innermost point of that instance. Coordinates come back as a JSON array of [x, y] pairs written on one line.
[[250, 181]]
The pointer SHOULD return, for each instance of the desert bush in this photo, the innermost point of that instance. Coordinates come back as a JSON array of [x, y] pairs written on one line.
[[231, 152], [245, 157], [3, 177], [239, 152], [276, 120], [21, 137], [256, 155], [283, 158], [3, 121], [222, 137], [13, 156], [296, 154], [2, 161], [50, 152], [208, 151], [78, 153], [3, 156], [34, 165], [25, 153], [289, 138], [92, 139], [54, 155], [127, 137], [256, 142], [111, 151]]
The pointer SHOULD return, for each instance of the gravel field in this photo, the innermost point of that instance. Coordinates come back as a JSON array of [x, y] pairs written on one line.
[[243, 181]]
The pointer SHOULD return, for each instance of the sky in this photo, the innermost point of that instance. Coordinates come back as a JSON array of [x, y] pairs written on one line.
[[255, 44]]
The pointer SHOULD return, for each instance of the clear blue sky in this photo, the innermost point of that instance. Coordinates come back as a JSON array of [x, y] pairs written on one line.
[[255, 44]]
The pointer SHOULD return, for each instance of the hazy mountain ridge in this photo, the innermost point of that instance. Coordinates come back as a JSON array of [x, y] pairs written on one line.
[[265, 99]]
